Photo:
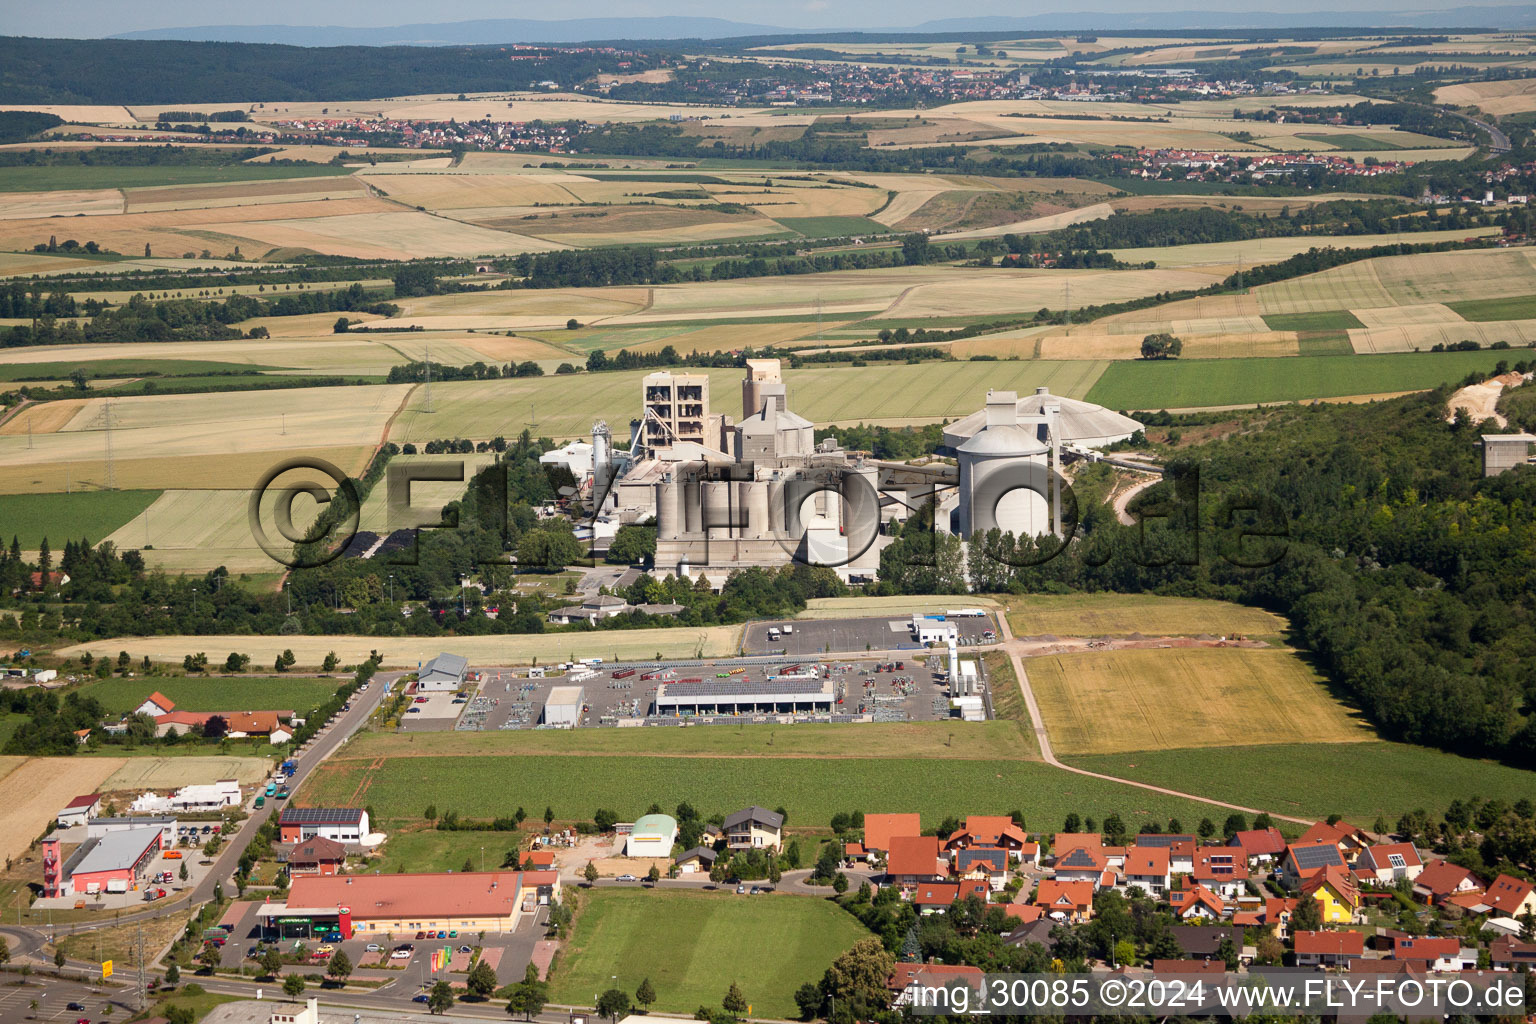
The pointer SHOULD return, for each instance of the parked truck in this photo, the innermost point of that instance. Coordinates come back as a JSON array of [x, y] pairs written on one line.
[[290, 766]]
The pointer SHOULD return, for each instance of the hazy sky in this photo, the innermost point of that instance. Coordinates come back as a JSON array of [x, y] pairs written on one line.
[[85, 18]]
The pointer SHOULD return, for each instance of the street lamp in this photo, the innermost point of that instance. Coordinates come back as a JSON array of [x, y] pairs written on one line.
[[463, 582], [391, 588]]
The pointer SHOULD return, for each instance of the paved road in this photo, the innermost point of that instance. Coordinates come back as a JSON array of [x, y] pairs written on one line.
[[1049, 756], [1498, 141]]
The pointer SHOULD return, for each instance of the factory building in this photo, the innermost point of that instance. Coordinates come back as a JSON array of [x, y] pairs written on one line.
[[1080, 424], [344, 906], [115, 862], [563, 708], [784, 695], [1006, 472]]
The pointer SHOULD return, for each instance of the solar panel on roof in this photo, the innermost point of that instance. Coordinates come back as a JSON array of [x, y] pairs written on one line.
[[1320, 856], [1154, 839], [1079, 858], [321, 815]]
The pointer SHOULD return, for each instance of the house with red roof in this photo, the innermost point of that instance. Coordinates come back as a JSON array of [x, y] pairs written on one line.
[[1304, 859], [1277, 914], [989, 831], [1389, 863], [915, 859], [1192, 901], [1435, 954], [1261, 846], [1147, 868], [1511, 897], [1509, 954], [1349, 839], [984, 864], [936, 897], [1080, 864], [1441, 880], [1328, 949], [1221, 869], [1337, 894], [1065, 901], [1026, 913], [539, 860], [908, 980], [880, 828], [155, 705]]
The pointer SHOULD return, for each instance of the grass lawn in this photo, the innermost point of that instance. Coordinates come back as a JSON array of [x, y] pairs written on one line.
[[124, 368], [200, 1004], [1357, 780], [431, 850], [1105, 701], [47, 179], [1519, 307], [1182, 384], [693, 945], [232, 693], [1323, 343], [831, 227], [1121, 614], [811, 789], [60, 517], [1330, 320]]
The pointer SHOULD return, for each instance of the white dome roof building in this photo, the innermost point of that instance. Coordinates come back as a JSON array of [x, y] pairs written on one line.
[[1080, 424], [1004, 473]]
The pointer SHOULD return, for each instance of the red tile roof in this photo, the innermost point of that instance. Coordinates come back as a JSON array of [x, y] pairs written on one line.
[[425, 896], [1056, 895], [1194, 895], [1276, 906], [1380, 856], [1506, 894], [1025, 912], [914, 855], [930, 974], [1147, 860], [1258, 842], [1425, 948], [160, 700], [1337, 878], [1441, 878], [83, 801], [1331, 943], [880, 828], [317, 850], [935, 894], [1065, 841]]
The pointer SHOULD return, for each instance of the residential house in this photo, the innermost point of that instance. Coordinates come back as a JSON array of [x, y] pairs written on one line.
[[1065, 841], [1261, 846], [700, 858], [80, 810], [1349, 839], [1146, 868], [155, 705], [913, 982], [854, 852], [984, 865], [991, 831], [539, 860], [754, 829], [1221, 869], [1201, 941], [1389, 863], [1181, 849], [1029, 854], [1509, 954], [1024, 913], [1303, 860], [1081, 864], [879, 829], [1036, 931], [1436, 954], [318, 856], [1277, 914], [936, 897], [604, 606], [1510, 897], [1065, 901], [1336, 893], [915, 859], [1192, 901], [1441, 880], [1329, 949]]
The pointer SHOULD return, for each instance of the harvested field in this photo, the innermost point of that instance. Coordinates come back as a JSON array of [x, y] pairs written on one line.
[[1089, 344], [450, 191], [895, 604], [201, 530], [240, 471], [1050, 222], [1093, 615], [63, 203], [43, 417], [387, 235], [1411, 315], [141, 773], [406, 652], [1423, 337], [34, 788], [1110, 701], [1513, 96], [1256, 251]]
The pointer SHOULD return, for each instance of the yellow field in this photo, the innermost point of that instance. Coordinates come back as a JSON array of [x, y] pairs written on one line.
[[141, 773], [407, 652], [33, 790], [241, 193], [239, 471], [1422, 337], [63, 203], [1122, 614], [895, 605], [1412, 315], [1515, 96], [1115, 701]]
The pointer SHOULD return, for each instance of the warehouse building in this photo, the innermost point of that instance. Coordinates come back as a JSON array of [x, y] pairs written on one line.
[[651, 836], [443, 673], [345, 906], [113, 863], [781, 695], [98, 828], [563, 708], [340, 824], [80, 810]]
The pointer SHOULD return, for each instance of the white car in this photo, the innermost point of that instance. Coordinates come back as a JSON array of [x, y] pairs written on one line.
[[400, 954]]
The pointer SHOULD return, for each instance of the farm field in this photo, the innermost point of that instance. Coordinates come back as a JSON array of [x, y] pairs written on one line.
[[1107, 701], [430, 850], [1121, 614], [694, 945], [108, 176], [894, 395], [1514, 96], [1357, 780], [61, 517], [406, 652], [32, 789], [222, 693], [999, 740], [897, 605], [1175, 384], [812, 789], [141, 773]]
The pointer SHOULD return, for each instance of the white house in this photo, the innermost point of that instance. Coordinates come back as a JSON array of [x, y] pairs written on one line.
[[1146, 868], [156, 705], [443, 673]]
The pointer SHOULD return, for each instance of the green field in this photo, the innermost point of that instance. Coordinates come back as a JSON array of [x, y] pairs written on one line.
[[124, 368], [1331, 320], [1323, 343], [1357, 780], [1181, 384], [1353, 143], [47, 179], [431, 850], [694, 945], [831, 227], [812, 789], [232, 693], [1518, 307], [60, 517]]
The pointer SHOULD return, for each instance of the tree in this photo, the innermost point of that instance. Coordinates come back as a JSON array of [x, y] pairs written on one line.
[[633, 545], [809, 999], [1308, 915], [549, 815], [590, 873], [78, 378], [528, 995], [605, 820], [293, 986], [340, 967], [613, 1004], [1207, 828], [1227, 952], [1161, 346], [208, 957], [914, 250], [654, 875], [183, 874], [734, 1002], [857, 979], [58, 958], [1236, 822], [481, 980], [840, 883], [172, 975], [440, 999], [271, 962], [645, 995], [341, 325]]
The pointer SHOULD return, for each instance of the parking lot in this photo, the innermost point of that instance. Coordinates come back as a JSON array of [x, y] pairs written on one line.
[[432, 712], [54, 998], [849, 636]]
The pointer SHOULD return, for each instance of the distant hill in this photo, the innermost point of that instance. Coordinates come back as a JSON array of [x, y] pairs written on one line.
[[574, 30]]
